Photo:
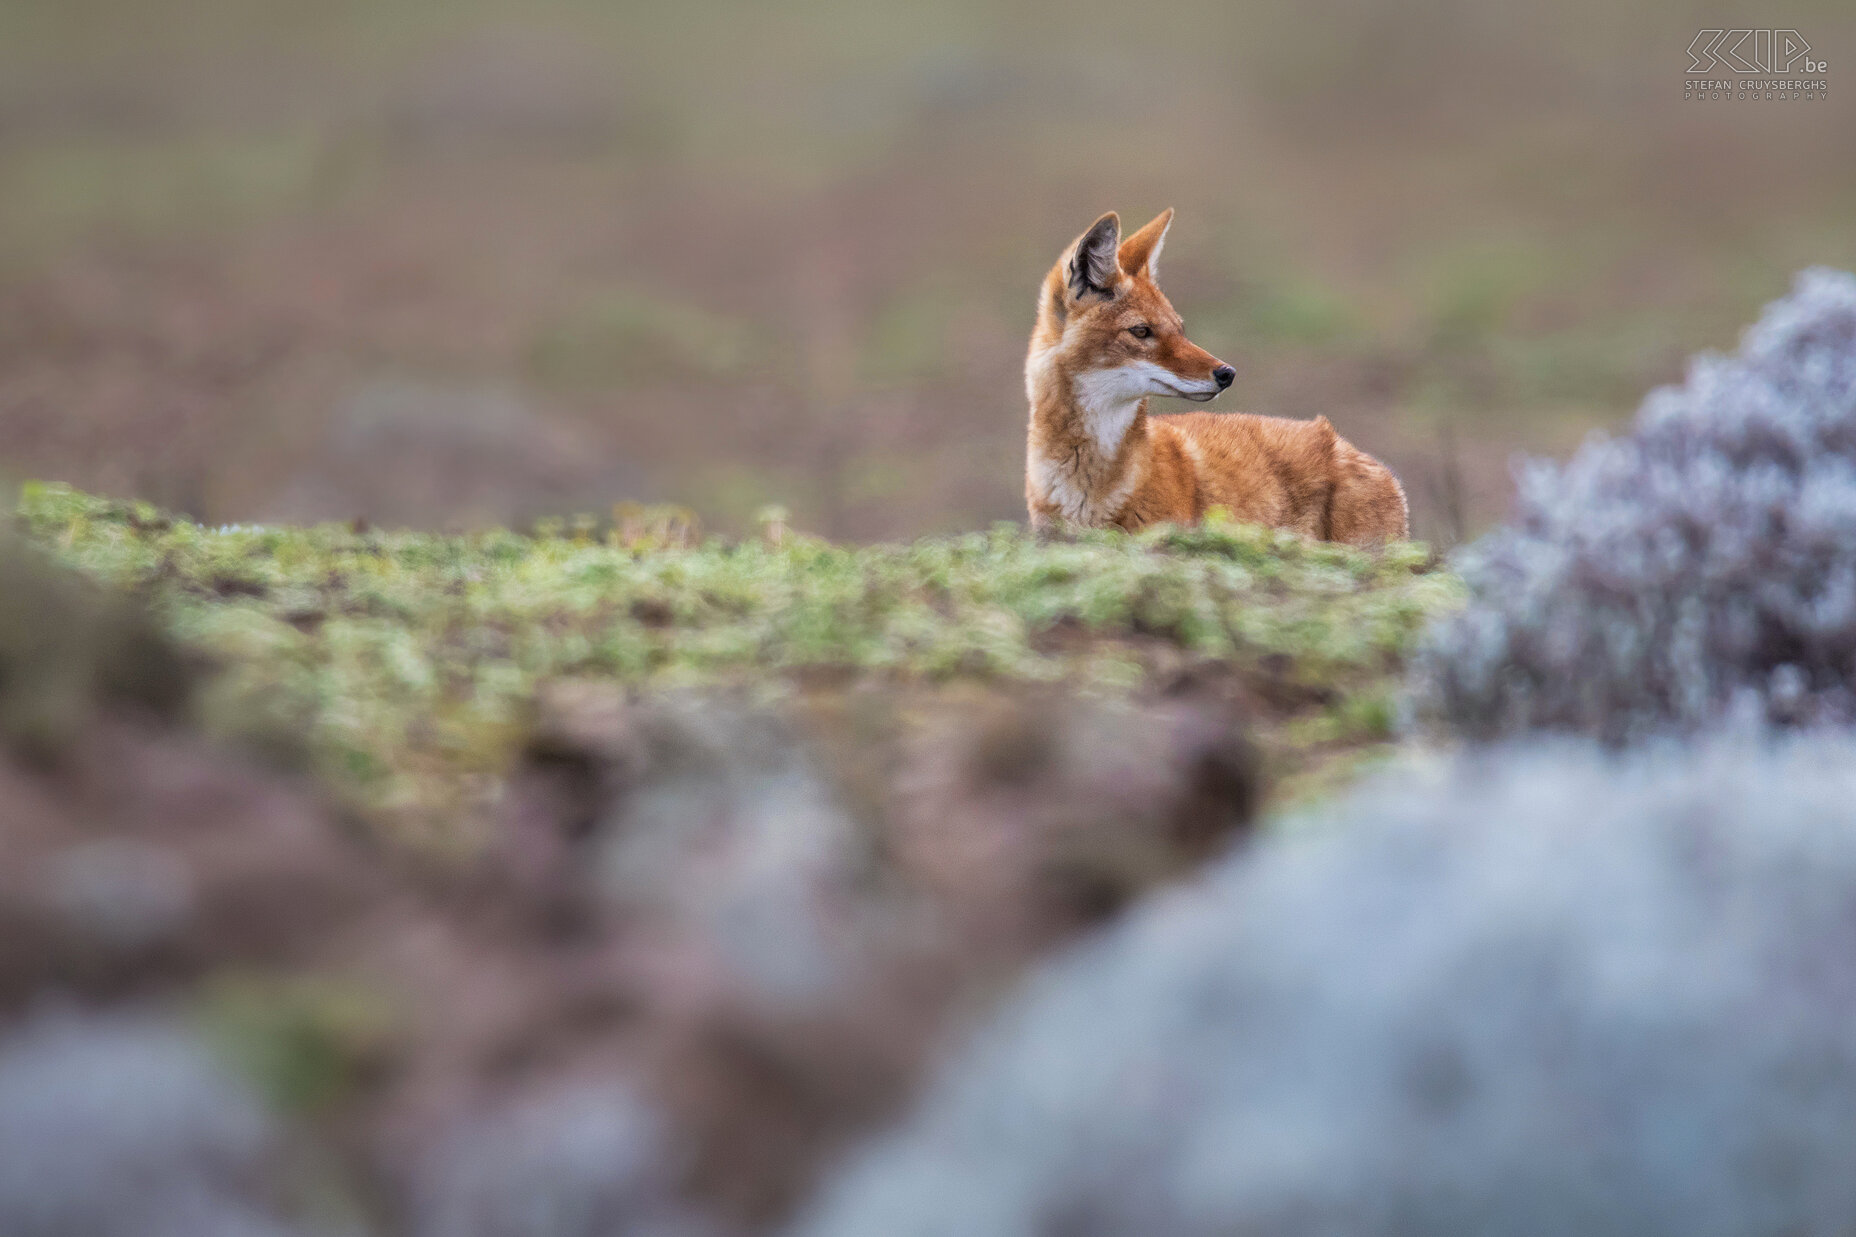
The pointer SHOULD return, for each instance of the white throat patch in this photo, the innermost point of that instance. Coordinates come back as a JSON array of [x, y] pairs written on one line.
[[1109, 398], [1108, 401]]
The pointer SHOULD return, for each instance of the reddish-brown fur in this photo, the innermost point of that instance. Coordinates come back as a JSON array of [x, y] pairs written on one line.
[[1094, 455]]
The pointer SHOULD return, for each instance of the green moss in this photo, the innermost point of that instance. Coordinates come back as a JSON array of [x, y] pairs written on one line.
[[410, 659]]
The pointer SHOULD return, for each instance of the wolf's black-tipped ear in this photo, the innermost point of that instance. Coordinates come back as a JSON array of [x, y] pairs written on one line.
[[1092, 265]]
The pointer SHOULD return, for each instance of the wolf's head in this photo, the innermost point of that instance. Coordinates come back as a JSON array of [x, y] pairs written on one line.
[[1105, 325]]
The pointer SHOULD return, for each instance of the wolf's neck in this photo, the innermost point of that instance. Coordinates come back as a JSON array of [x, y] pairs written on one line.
[[1105, 411], [1088, 443]]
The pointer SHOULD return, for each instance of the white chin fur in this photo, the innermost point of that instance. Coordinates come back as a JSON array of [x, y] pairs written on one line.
[[1110, 388], [1137, 381], [1109, 398]]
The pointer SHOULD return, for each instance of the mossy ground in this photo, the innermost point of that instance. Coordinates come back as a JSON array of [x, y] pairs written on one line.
[[406, 664]]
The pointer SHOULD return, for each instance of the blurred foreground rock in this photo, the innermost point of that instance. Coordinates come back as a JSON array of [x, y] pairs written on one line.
[[113, 1127], [796, 927]]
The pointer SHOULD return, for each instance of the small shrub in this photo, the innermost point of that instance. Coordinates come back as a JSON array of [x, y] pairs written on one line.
[[1704, 564], [1549, 993]]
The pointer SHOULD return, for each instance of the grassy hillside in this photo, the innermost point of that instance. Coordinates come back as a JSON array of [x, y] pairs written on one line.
[[407, 663]]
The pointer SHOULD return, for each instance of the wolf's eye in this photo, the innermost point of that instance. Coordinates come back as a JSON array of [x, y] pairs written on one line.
[[1140, 332]]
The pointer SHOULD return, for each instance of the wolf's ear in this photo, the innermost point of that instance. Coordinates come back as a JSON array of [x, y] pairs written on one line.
[[1141, 252], [1091, 267]]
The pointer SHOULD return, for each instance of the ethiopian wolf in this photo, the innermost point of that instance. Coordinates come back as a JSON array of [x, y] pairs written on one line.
[[1107, 339]]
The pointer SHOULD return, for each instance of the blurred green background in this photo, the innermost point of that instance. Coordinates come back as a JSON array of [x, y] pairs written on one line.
[[456, 263]]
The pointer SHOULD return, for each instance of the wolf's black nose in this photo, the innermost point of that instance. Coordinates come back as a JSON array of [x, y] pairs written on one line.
[[1223, 376]]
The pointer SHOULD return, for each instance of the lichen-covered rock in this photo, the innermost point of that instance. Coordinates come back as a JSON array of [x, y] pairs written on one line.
[[1546, 993], [1702, 565]]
